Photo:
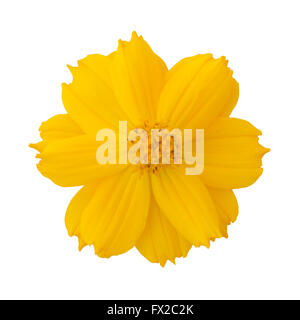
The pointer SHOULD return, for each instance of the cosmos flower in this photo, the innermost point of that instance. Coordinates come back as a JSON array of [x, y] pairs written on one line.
[[158, 209]]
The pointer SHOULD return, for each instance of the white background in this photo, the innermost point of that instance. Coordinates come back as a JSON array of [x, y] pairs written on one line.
[[261, 258]]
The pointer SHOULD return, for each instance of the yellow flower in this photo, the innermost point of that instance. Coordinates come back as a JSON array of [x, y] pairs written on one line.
[[160, 210]]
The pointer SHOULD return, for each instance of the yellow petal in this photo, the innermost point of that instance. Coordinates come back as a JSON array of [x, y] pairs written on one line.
[[137, 77], [198, 90], [61, 126], [160, 241], [231, 127], [233, 156], [188, 206], [89, 99], [39, 146], [230, 178], [112, 214], [72, 162], [76, 206], [226, 204]]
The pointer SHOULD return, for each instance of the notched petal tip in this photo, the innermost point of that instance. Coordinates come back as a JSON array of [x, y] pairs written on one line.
[[121, 43], [163, 262], [39, 146], [259, 132], [225, 235], [262, 150], [74, 72], [223, 60], [102, 254], [34, 146], [134, 35], [81, 244], [134, 38], [72, 69], [265, 150]]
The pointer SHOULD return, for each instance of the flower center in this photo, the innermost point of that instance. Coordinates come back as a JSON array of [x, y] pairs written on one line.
[[156, 146]]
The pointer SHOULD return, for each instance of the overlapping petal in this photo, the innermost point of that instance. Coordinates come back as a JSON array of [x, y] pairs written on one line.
[[122, 86], [90, 99], [160, 241], [225, 203], [232, 154], [61, 126], [188, 206], [197, 90], [72, 162], [112, 213], [138, 76]]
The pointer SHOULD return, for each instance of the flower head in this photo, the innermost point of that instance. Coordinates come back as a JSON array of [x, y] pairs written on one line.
[[157, 208]]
